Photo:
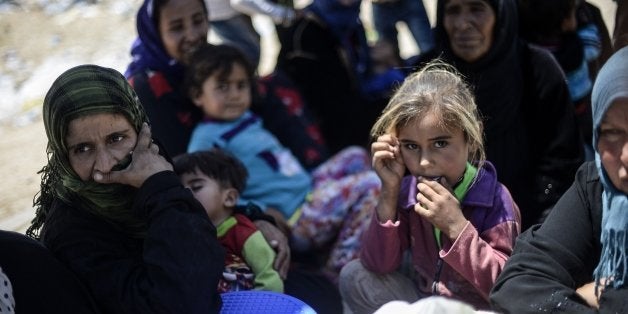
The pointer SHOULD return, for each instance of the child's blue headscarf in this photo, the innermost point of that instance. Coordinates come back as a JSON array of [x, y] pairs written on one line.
[[611, 84]]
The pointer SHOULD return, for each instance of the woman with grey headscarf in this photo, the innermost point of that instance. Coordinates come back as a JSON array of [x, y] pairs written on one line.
[[576, 261]]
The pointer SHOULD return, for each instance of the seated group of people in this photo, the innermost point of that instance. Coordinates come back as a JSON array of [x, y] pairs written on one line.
[[188, 177]]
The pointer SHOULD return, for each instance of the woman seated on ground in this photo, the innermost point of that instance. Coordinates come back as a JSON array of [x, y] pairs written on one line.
[[575, 262], [112, 209]]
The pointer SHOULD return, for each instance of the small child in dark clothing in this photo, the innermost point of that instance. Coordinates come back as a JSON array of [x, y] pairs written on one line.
[[217, 178]]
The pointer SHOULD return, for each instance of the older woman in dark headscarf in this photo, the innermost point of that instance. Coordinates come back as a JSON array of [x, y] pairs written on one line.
[[529, 123], [576, 261], [112, 209]]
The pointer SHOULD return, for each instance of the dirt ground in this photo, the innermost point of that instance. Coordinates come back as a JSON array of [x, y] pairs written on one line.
[[36, 45], [29, 38]]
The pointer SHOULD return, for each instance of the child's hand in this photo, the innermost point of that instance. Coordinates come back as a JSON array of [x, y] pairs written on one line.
[[387, 161], [438, 205], [389, 166]]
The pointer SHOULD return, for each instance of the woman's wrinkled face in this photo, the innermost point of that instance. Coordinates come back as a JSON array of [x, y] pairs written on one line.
[[613, 144], [98, 142], [183, 26], [469, 25]]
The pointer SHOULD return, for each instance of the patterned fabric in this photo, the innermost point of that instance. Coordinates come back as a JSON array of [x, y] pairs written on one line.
[[7, 302], [237, 275], [78, 92], [610, 85], [345, 194], [249, 259]]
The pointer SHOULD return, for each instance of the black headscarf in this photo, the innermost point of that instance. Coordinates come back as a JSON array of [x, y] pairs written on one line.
[[496, 78]]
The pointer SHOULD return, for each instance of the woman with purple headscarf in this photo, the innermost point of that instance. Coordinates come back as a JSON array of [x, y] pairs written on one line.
[[168, 31]]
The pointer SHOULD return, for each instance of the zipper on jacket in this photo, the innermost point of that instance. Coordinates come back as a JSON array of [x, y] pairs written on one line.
[[439, 268]]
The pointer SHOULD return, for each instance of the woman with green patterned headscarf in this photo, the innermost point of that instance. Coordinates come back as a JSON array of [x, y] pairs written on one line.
[[75, 95], [112, 209]]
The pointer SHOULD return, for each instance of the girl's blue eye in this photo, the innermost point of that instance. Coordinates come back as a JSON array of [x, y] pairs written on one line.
[[440, 144]]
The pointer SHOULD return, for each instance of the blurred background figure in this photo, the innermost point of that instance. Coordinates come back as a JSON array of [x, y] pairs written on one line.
[[387, 13], [570, 31], [232, 21], [327, 56]]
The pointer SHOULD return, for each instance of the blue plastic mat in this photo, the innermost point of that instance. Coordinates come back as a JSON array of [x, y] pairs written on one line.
[[260, 302]]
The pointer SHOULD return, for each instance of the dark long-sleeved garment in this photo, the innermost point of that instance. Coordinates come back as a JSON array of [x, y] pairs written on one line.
[[174, 269], [552, 260], [317, 62], [40, 283], [172, 115]]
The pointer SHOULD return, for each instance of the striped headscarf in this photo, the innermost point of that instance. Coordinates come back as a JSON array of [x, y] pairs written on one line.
[[81, 91], [611, 83]]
